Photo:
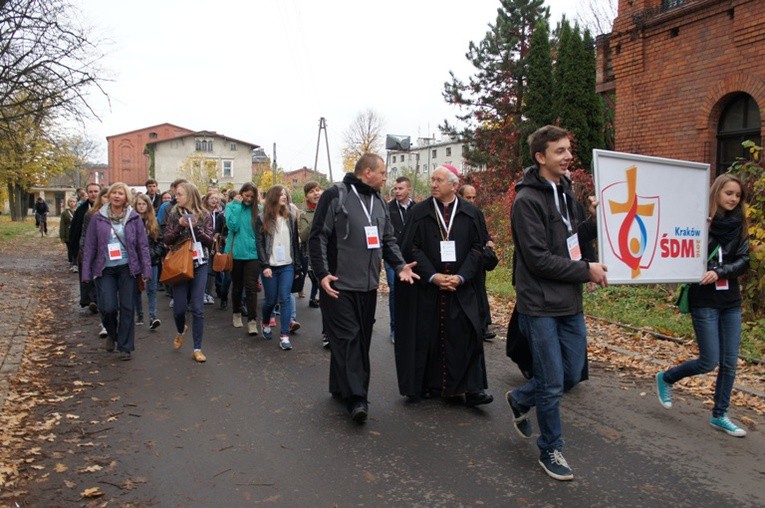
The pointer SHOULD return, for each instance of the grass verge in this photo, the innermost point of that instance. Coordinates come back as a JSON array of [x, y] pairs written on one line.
[[650, 307], [10, 230]]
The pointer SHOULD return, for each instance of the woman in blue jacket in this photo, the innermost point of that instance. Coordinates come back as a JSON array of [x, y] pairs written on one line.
[[241, 215]]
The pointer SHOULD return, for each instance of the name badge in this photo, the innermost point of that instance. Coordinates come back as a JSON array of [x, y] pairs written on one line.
[[448, 252], [574, 251], [722, 285], [199, 253], [115, 253], [373, 238], [280, 254]]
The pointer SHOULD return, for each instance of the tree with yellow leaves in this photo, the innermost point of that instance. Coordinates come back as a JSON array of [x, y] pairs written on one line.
[[364, 135]]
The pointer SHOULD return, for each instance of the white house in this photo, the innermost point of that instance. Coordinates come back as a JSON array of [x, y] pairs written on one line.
[[426, 155], [214, 157]]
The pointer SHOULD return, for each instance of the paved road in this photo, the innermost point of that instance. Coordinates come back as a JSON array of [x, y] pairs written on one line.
[[255, 425]]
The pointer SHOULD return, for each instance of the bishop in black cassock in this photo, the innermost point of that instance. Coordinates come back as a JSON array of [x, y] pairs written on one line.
[[439, 324]]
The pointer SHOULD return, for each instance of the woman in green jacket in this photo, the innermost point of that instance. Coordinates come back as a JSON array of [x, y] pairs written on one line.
[[240, 221]]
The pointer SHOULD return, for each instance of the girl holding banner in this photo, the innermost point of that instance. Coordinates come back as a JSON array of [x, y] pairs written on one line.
[[715, 302]]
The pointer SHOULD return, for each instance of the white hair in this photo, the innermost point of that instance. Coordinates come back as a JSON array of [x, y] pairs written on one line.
[[450, 177]]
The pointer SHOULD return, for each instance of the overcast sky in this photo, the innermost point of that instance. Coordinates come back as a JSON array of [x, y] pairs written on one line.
[[265, 71]]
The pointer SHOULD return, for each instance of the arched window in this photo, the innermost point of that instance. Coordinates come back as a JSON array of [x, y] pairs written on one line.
[[740, 121]]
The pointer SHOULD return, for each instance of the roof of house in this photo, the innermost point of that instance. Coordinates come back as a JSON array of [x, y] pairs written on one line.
[[148, 128], [203, 134]]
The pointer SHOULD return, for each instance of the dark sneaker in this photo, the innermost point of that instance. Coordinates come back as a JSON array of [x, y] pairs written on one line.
[[93, 307], [109, 344], [125, 356], [555, 465], [359, 412], [314, 304], [325, 342], [154, 324], [294, 326], [477, 399], [520, 418]]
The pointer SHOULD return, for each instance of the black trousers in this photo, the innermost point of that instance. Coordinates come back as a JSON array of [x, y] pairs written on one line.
[[244, 275], [348, 320]]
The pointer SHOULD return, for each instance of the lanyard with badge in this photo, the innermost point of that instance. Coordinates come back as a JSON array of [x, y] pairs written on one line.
[[721, 284], [280, 251], [448, 247], [572, 241], [198, 251], [115, 252], [373, 236]]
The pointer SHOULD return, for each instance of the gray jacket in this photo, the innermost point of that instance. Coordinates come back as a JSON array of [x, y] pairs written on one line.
[[337, 244]]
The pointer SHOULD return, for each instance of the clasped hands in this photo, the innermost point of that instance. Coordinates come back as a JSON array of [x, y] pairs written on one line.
[[446, 282]]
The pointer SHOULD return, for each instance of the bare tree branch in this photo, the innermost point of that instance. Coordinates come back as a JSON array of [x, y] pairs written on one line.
[[48, 61]]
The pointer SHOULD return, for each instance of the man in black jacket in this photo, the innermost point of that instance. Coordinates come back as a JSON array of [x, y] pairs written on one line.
[[398, 207], [549, 272], [350, 235]]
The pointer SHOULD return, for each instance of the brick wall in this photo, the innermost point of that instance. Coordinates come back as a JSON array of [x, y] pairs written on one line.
[[127, 162], [675, 70]]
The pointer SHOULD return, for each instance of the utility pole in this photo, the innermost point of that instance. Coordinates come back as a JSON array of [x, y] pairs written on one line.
[[323, 127], [273, 170]]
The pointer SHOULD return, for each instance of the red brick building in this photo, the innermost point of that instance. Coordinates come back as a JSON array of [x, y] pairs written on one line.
[[127, 161], [299, 177], [688, 77]]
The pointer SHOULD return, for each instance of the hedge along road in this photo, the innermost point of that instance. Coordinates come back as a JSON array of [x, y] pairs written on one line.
[[256, 425]]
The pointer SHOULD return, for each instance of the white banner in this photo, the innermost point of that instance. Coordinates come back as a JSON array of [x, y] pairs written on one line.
[[652, 217]]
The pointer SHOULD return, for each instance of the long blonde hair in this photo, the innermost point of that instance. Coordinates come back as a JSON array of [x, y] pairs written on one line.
[[193, 200], [98, 203], [149, 219]]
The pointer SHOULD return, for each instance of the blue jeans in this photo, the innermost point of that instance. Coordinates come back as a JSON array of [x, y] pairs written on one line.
[[191, 293], [277, 287], [390, 276], [115, 291], [151, 294], [718, 334], [559, 352]]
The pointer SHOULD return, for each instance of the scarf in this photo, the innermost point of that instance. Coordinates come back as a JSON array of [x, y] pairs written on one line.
[[727, 227]]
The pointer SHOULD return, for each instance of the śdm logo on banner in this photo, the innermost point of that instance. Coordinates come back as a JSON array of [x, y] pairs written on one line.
[[632, 223]]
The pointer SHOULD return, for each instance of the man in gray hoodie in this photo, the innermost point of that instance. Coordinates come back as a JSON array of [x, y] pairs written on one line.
[[350, 235]]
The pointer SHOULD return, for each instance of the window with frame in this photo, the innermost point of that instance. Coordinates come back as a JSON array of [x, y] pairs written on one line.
[[394, 158], [448, 151], [434, 153], [203, 145], [233, 147], [228, 169], [739, 122]]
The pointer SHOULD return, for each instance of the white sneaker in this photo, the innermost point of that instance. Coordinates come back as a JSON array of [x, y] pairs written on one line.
[[252, 327], [209, 300], [237, 321], [103, 332]]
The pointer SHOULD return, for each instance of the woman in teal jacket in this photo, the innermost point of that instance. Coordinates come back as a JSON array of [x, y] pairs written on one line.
[[240, 221]]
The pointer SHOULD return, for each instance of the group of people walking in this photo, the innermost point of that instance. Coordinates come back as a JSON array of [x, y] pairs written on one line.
[[116, 241], [435, 254]]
